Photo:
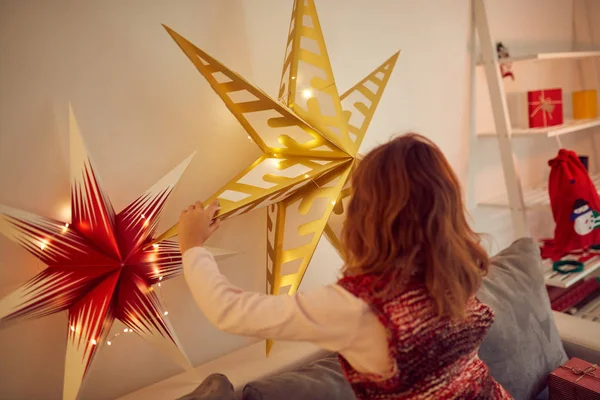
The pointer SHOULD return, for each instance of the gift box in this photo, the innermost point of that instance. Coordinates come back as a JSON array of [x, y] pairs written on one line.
[[574, 295], [545, 108], [585, 104], [575, 380]]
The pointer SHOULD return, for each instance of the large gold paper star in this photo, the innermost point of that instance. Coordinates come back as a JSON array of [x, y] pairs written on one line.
[[310, 140]]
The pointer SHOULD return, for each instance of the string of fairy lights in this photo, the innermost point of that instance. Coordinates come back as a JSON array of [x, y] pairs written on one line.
[[44, 243], [307, 94], [162, 299]]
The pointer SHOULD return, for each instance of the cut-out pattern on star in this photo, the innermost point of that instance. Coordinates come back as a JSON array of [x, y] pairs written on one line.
[[100, 267], [310, 140]]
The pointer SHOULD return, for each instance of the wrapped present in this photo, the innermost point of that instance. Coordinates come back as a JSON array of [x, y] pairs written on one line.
[[555, 292], [585, 104], [545, 108], [573, 295], [576, 380]]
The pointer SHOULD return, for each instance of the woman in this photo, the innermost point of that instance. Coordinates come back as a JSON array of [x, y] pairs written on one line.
[[404, 317]]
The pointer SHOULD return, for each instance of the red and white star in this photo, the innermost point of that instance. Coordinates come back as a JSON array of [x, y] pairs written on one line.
[[100, 266]]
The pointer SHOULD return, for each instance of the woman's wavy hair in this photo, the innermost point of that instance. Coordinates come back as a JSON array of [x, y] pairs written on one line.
[[406, 225]]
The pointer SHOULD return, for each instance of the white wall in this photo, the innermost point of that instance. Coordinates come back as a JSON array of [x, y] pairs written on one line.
[[142, 107]]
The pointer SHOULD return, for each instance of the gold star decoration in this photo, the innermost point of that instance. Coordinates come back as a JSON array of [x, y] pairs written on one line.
[[310, 140]]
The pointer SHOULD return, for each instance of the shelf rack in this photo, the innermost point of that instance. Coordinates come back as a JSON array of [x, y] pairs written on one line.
[[569, 126], [565, 280], [532, 199], [515, 198], [591, 311], [565, 55]]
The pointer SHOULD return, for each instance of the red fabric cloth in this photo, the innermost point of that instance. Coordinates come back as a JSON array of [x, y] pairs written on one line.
[[576, 380], [575, 206], [545, 108], [434, 357]]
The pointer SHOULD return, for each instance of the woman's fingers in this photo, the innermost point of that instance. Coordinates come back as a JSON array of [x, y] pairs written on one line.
[[213, 209], [215, 225]]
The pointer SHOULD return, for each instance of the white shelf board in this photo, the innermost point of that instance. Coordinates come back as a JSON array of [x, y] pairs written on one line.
[[565, 55], [568, 127], [590, 311], [565, 280], [533, 198]]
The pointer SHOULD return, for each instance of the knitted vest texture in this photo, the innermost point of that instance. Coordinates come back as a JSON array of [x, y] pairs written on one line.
[[434, 357]]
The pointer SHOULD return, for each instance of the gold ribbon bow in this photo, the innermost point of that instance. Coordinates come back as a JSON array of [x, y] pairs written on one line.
[[546, 105], [589, 371]]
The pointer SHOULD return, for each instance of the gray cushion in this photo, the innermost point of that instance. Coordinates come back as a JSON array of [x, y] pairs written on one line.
[[523, 345], [323, 379], [214, 387]]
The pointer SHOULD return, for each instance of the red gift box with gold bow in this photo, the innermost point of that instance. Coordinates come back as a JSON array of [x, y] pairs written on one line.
[[576, 380], [545, 108]]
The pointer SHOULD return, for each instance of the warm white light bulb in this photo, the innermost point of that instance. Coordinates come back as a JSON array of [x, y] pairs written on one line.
[[72, 328], [160, 278], [109, 343], [306, 175], [93, 341], [249, 138], [333, 202], [275, 161], [125, 330], [43, 245], [155, 245], [166, 313], [158, 284], [293, 77], [131, 330], [66, 225], [307, 93], [143, 216]]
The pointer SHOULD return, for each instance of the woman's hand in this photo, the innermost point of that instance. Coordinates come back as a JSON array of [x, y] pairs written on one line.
[[197, 224]]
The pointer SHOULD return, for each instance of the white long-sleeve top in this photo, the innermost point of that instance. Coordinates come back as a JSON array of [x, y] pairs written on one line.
[[330, 317]]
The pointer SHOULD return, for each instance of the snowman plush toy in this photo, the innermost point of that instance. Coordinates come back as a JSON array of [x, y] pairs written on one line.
[[585, 219]]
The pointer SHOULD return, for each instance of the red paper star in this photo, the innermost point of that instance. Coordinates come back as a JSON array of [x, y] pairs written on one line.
[[100, 266]]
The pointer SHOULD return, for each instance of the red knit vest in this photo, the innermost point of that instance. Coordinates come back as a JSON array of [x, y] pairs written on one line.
[[434, 357]]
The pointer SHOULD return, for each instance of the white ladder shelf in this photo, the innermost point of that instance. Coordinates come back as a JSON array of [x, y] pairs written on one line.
[[515, 198]]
